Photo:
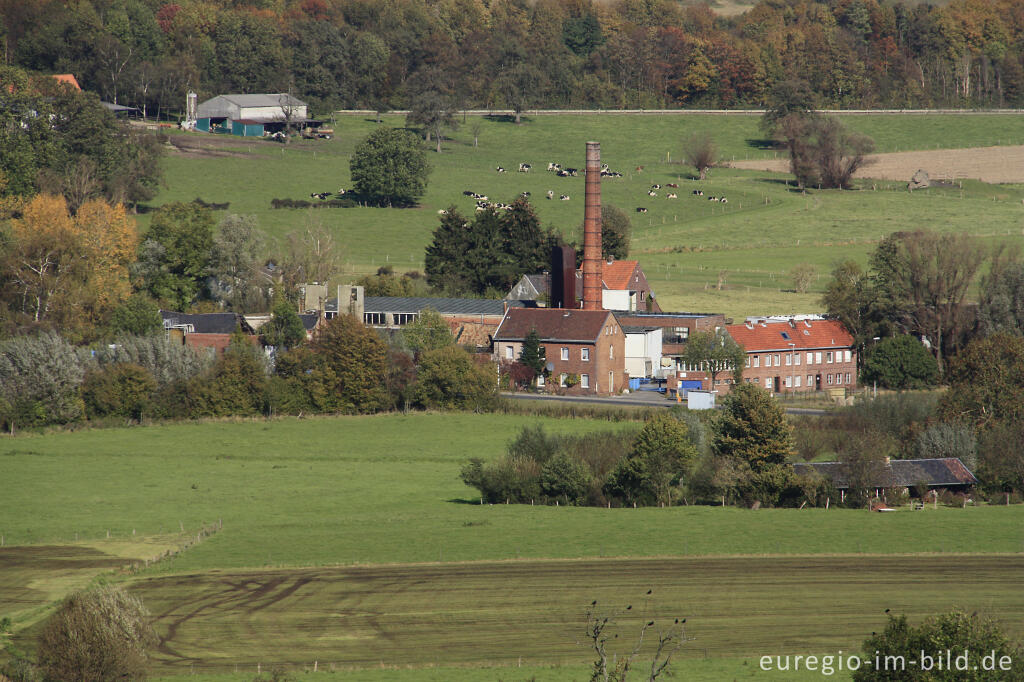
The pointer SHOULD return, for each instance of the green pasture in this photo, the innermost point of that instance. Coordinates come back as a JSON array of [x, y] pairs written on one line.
[[351, 541], [765, 228], [386, 489]]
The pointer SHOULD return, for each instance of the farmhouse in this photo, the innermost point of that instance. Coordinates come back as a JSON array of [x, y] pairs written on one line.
[[948, 473], [251, 115], [207, 330], [623, 287], [585, 349], [798, 355]]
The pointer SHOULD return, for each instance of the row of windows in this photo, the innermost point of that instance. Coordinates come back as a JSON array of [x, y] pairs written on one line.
[[382, 318], [510, 353], [796, 381], [813, 358]]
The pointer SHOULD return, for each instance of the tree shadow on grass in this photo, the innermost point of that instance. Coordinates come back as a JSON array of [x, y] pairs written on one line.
[[765, 144], [507, 118]]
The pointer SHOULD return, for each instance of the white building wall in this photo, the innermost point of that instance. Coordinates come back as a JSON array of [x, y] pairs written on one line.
[[617, 300], [643, 353], [270, 113]]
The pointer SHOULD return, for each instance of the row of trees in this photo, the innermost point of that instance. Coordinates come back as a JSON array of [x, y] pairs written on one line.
[[739, 455], [514, 53], [347, 368], [917, 283]]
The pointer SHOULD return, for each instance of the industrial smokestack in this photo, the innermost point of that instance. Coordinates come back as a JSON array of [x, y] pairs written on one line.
[[592, 230]]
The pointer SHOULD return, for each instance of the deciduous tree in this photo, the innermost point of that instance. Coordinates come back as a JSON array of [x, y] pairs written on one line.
[[714, 353], [449, 378], [900, 362], [389, 168], [700, 151], [358, 358]]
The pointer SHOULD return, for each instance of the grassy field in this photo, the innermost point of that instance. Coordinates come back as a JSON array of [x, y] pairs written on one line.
[[757, 237], [351, 541]]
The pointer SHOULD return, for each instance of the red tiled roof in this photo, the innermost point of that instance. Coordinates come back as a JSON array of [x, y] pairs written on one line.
[[552, 324], [618, 275], [69, 79], [803, 334]]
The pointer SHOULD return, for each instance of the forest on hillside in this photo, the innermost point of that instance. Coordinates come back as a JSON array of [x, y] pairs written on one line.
[[521, 54]]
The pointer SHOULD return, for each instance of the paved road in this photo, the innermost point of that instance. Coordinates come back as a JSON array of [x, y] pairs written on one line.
[[636, 399]]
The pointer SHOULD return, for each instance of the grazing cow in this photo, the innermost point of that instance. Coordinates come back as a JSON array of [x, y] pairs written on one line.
[[554, 166], [724, 200], [524, 194], [641, 209], [442, 212], [672, 196], [469, 193], [525, 168], [571, 171], [712, 198], [319, 195], [672, 185], [698, 192], [655, 186], [500, 169], [551, 195], [562, 173], [564, 197], [652, 193], [342, 191]]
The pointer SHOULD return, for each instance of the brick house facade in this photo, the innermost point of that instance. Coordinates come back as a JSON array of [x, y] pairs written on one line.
[[586, 348], [797, 356]]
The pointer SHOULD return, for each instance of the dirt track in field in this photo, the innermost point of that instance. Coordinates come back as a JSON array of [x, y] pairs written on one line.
[[988, 164]]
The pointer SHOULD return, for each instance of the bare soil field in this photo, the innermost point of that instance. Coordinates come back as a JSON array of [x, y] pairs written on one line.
[[989, 164]]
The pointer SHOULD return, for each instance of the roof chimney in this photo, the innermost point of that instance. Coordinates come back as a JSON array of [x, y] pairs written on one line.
[[592, 230]]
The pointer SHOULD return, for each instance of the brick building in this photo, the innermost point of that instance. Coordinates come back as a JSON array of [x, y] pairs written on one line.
[[675, 330], [624, 286], [585, 349], [798, 355]]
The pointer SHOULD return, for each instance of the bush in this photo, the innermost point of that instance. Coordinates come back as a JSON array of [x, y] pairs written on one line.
[[450, 378], [565, 477], [166, 361], [39, 380], [954, 631], [118, 390], [95, 637]]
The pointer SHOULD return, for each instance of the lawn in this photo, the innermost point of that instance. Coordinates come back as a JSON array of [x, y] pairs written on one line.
[[757, 237]]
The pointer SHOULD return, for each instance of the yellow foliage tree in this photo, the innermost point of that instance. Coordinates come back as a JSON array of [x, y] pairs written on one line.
[[70, 270]]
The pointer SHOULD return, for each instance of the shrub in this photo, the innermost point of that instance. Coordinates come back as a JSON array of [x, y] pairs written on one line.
[[39, 380], [450, 378], [900, 362], [565, 477], [95, 637], [118, 390]]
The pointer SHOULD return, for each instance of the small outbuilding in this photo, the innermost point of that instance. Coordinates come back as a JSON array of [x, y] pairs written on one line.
[[251, 115]]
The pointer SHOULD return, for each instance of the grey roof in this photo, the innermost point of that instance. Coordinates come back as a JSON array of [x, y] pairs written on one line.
[[637, 330], [903, 473], [681, 316], [206, 323], [226, 106], [448, 306], [309, 320]]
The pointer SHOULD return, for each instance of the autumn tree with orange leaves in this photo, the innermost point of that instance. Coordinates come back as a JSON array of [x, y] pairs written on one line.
[[68, 270]]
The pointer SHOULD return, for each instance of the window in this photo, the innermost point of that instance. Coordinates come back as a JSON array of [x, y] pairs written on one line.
[[810, 380], [679, 335], [839, 378], [789, 360], [817, 357], [561, 379], [768, 383], [611, 352], [849, 357], [757, 361], [847, 377], [788, 383], [584, 381], [785, 335], [585, 354], [375, 318], [797, 380], [828, 356], [810, 358], [540, 381], [565, 353], [509, 353], [748, 362], [768, 360], [829, 379], [796, 359], [777, 358], [405, 318], [643, 295]]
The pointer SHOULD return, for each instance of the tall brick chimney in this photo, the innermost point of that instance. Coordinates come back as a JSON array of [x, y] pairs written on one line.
[[592, 259]]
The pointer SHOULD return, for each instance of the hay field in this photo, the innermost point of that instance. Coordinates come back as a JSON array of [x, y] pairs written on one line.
[[998, 165]]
